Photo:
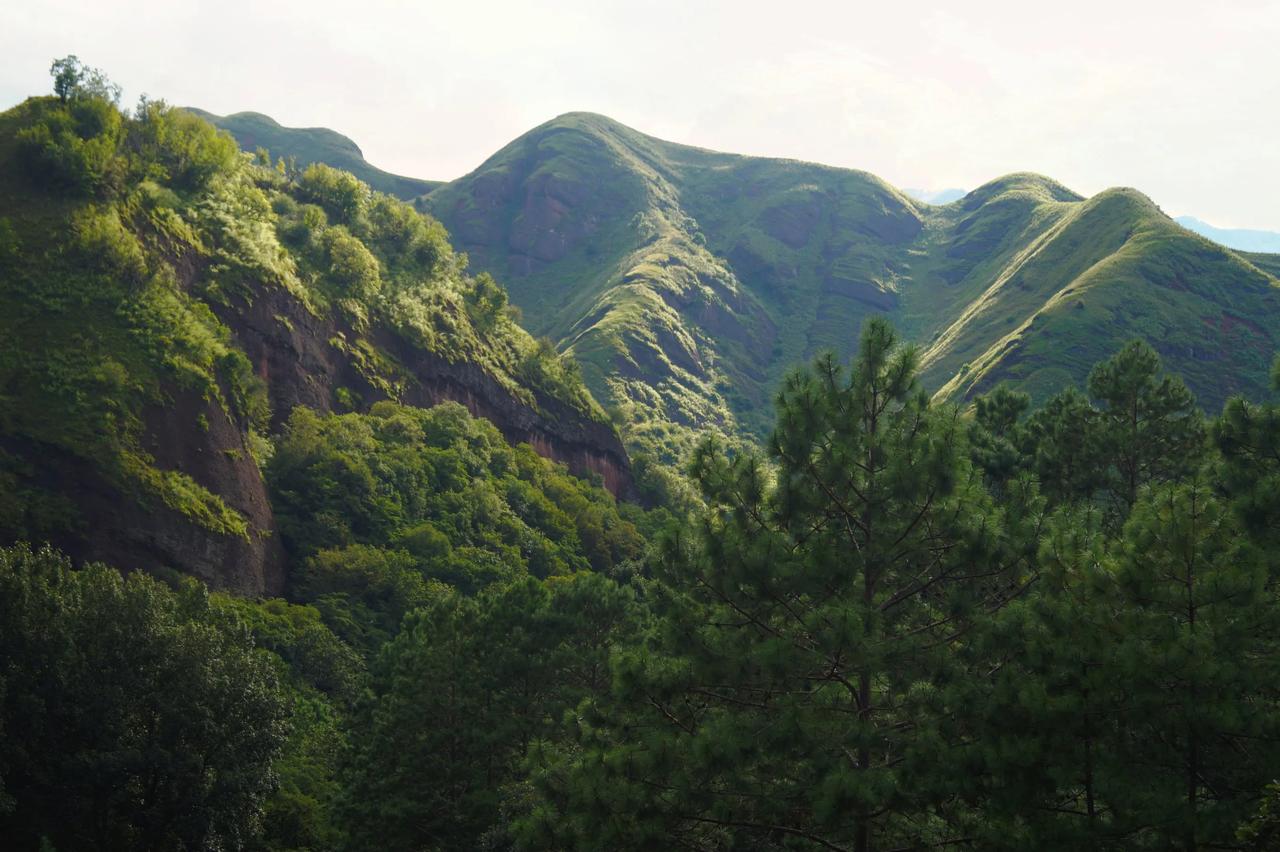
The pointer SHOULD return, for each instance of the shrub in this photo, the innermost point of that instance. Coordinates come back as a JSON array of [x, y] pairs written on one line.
[[75, 146], [340, 193]]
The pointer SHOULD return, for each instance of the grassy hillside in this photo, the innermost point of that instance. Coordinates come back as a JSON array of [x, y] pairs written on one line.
[[307, 145], [687, 281]]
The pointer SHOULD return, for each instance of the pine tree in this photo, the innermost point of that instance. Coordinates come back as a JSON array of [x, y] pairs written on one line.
[[805, 658], [1149, 426], [1045, 723], [1198, 654], [1067, 457], [1248, 438], [998, 438]]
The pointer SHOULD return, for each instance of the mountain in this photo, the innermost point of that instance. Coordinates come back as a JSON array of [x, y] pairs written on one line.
[[309, 145], [940, 196], [1235, 238], [687, 282], [167, 304]]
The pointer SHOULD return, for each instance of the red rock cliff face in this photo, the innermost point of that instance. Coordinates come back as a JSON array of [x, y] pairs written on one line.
[[192, 435], [293, 353]]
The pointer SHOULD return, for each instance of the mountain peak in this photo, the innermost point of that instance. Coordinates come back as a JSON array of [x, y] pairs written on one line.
[[308, 145], [1044, 188]]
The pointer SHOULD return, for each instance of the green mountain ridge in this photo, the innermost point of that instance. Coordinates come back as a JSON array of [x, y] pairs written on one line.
[[309, 145], [716, 272], [687, 281]]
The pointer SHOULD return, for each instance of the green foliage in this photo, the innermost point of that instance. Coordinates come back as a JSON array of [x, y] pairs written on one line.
[[1135, 706], [1067, 457], [323, 676], [298, 636], [796, 686], [363, 592], [352, 267], [340, 193], [486, 302], [1248, 438], [133, 716], [121, 236], [75, 147], [177, 149], [72, 80], [398, 473], [384, 507], [1041, 723], [477, 680], [1199, 628], [304, 146], [1143, 428], [1150, 428], [997, 437]]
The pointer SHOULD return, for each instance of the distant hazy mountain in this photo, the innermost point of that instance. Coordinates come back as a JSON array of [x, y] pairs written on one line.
[[308, 145], [936, 196], [1239, 239]]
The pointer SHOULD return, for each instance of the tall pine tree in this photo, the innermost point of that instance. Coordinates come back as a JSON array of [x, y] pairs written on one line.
[[1199, 626], [1149, 427], [1248, 437], [797, 690]]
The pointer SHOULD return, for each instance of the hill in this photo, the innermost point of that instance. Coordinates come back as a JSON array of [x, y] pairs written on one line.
[[309, 145], [687, 281], [1241, 239], [167, 304]]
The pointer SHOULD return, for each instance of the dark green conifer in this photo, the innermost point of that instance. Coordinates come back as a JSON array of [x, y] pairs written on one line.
[[1149, 427], [796, 692]]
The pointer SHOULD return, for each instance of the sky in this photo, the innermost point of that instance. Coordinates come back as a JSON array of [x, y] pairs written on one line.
[[1178, 99]]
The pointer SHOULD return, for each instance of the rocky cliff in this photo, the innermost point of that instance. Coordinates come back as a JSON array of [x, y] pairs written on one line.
[[166, 303]]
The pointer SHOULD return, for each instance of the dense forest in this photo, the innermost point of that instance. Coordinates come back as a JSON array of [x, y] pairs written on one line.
[[896, 621]]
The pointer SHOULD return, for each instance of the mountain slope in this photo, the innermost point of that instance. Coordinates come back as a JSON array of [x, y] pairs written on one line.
[[680, 278], [309, 145], [167, 304], [687, 281]]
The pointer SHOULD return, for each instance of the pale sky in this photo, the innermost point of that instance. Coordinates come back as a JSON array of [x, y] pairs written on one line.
[[1179, 99]]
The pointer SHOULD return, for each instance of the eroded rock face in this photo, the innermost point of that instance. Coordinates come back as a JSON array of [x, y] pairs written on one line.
[[293, 351], [196, 437]]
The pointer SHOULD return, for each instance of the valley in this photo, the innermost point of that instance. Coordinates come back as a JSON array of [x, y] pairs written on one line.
[[619, 495]]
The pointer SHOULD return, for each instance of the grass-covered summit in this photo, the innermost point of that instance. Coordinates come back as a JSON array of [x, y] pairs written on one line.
[[307, 145], [687, 281]]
